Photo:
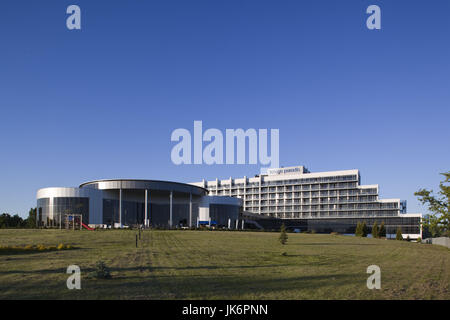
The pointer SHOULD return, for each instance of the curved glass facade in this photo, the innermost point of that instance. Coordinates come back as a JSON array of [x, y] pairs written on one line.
[[118, 203], [52, 211], [70, 205], [43, 211], [133, 213]]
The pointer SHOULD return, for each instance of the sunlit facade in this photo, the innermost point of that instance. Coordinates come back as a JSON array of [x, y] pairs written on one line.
[[325, 200]]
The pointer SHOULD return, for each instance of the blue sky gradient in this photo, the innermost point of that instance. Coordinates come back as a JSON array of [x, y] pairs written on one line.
[[102, 102]]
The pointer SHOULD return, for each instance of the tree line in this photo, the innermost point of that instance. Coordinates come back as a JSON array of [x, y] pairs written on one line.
[[362, 230], [15, 221]]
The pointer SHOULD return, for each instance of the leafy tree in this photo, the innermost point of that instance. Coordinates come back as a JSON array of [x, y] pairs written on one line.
[[438, 222], [429, 228], [375, 231], [382, 230], [283, 235], [4, 219], [399, 235]]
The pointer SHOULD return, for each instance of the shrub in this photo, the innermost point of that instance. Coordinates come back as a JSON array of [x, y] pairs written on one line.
[[283, 236], [399, 235], [101, 270], [419, 240]]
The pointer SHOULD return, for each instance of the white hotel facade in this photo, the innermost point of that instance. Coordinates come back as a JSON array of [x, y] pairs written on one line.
[[294, 193]]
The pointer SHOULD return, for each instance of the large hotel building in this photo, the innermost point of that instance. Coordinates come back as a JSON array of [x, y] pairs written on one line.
[[332, 201], [319, 201]]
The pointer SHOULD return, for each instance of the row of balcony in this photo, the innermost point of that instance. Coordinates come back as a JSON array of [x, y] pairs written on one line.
[[293, 188], [257, 191], [330, 206], [332, 193], [308, 210], [309, 181], [298, 196], [315, 200], [329, 215]]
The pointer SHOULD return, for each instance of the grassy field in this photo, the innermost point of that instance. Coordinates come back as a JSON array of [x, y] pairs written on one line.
[[221, 265]]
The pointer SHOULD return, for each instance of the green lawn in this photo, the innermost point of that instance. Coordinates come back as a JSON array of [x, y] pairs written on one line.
[[222, 265]]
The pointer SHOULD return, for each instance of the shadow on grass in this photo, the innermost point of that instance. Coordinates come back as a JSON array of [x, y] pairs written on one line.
[[332, 244], [46, 271], [14, 252], [122, 270], [186, 287], [225, 286], [190, 268]]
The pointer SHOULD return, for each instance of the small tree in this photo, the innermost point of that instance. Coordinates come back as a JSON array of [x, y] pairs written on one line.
[[364, 229], [399, 235], [361, 229], [375, 231], [382, 230], [283, 235], [358, 231], [31, 220]]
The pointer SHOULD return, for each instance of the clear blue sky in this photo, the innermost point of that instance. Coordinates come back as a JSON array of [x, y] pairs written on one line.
[[102, 102]]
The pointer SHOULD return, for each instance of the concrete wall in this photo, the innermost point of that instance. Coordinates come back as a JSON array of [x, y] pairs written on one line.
[[442, 241]]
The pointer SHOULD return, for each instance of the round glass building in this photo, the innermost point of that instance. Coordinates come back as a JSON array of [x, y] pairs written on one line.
[[128, 202]]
